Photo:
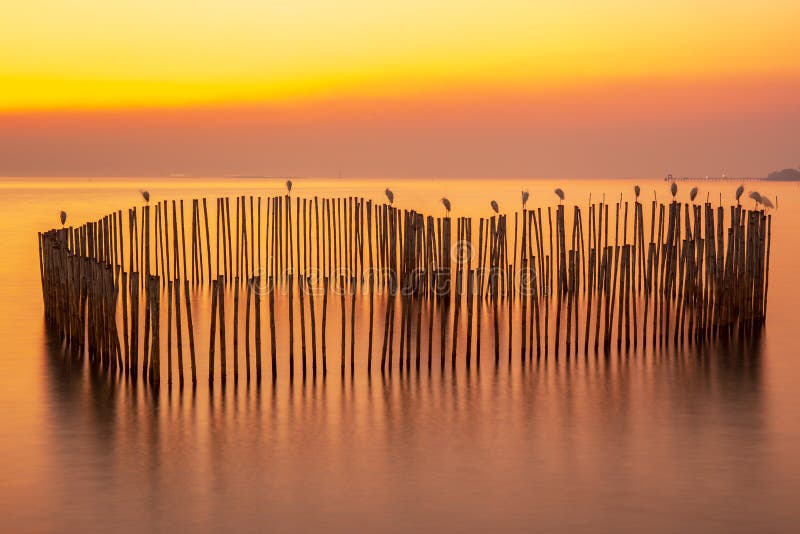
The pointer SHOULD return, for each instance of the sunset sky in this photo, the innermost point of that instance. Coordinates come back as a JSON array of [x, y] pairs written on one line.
[[387, 88]]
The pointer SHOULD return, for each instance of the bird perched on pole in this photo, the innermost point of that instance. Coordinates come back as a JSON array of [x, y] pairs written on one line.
[[63, 218], [693, 194], [389, 195], [145, 195], [636, 191], [446, 203], [289, 186], [560, 193], [756, 196], [525, 196], [673, 189], [739, 191], [495, 206]]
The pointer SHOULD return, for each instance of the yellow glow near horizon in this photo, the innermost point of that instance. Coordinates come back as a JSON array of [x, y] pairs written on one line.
[[144, 53]]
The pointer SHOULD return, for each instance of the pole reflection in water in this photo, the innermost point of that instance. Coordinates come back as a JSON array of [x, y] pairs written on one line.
[[641, 432]]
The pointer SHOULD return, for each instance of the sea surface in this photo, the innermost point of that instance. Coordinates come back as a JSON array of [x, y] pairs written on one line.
[[698, 439]]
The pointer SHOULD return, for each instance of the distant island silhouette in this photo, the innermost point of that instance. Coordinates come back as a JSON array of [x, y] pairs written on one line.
[[786, 175]]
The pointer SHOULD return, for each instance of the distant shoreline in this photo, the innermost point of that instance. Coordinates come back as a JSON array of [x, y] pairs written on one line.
[[265, 177], [785, 175]]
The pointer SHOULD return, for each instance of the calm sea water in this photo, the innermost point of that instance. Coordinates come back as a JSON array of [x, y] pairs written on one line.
[[699, 440]]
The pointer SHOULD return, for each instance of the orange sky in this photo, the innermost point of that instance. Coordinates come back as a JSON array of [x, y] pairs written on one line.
[[459, 88]]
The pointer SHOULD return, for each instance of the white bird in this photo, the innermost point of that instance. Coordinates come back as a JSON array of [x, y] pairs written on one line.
[[145, 195], [755, 195], [63, 217], [525, 196], [289, 186], [389, 195], [495, 206], [446, 203]]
